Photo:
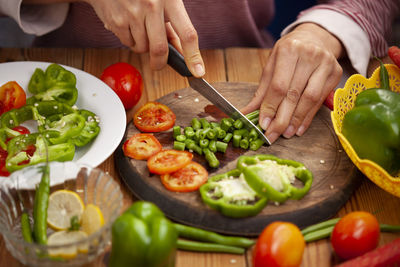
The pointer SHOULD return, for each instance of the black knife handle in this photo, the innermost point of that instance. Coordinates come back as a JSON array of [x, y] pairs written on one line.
[[177, 62]]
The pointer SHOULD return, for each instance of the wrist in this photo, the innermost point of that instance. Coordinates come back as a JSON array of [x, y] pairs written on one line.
[[327, 39]]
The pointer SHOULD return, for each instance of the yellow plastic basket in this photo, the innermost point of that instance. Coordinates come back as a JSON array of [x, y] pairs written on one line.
[[344, 101]]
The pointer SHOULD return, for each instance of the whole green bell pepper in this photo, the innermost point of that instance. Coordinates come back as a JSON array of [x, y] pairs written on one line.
[[230, 194], [372, 127], [18, 157], [143, 237], [273, 177]]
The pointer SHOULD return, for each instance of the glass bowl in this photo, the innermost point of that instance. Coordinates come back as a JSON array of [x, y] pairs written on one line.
[[93, 186], [344, 101]]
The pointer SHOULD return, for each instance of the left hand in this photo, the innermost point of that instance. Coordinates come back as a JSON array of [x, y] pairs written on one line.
[[301, 72]]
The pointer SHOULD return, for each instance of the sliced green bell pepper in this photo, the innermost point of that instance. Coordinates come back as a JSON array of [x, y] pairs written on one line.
[[69, 126], [18, 157], [230, 194], [272, 177], [90, 130], [372, 127], [67, 95], [57, 75], [143, 237], [6, 133], [37, 82]]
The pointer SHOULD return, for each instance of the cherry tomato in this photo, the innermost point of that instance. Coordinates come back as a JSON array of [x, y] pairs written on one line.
[[126, 82], [11, 96], [154, 117], [394, 54], [280, 244], [355, 234], [3, 157], [167, 161], [141, 146], [187, 179], [329, 100]]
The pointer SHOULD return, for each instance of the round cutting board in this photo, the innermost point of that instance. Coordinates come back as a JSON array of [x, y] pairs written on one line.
[[335, 177]]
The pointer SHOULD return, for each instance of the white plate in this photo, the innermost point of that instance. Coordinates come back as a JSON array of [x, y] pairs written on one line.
[[93, 95]]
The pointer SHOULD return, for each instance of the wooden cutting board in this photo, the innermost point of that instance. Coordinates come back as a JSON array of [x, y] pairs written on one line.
[[335, 177]]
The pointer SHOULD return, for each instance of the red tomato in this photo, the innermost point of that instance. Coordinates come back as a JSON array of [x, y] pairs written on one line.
[[167, 161], [280, 244], [11, 96], [154, 117], [21, 129], [329, 100], [394, 54], [141, 146], [187, 179], [355, 234], [126, 82], [3, 157]]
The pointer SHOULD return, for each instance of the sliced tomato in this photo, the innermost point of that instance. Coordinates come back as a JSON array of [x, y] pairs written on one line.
[[154, 117], [11, 96], [167, 161], [3, 157], [141, 146], [187, 179]]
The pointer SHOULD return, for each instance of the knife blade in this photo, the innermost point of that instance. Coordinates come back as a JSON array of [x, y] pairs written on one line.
[[177, 62]]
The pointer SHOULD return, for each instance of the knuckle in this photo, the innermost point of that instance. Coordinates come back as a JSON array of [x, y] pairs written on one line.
[[293, 95], [190, 35], [159, 49], [278, 87], [312, 97], [151, 5]]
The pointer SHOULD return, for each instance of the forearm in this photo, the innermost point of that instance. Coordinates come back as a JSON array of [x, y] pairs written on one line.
[[44, 2]]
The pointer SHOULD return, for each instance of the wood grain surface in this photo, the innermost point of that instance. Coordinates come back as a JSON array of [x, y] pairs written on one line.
[[335, 177], [228, 65]]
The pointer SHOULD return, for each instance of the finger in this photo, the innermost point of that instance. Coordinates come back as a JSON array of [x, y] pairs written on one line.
[[139, 33], [173, 37], [158, 43], [259, 95], [187, 34], [304, 70], [314, 95], [123, 34], [282, 74]]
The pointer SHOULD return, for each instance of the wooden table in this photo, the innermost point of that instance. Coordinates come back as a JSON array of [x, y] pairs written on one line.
[[233, 65]]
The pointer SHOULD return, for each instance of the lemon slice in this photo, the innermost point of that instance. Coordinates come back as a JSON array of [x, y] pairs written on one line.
[[63, 205], [64, 238], [92, 219]]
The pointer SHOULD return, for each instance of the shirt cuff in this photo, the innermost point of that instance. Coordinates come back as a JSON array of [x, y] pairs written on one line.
[[35, 19], [353, 38]]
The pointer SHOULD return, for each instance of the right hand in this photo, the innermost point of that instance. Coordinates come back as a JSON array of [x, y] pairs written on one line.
[[148, 25]]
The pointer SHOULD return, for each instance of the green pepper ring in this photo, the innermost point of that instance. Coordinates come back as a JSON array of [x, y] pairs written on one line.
[[227, 209], [266, 190]]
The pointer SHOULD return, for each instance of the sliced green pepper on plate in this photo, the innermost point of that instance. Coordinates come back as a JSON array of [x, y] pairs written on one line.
[[18, 156], [230, 194]]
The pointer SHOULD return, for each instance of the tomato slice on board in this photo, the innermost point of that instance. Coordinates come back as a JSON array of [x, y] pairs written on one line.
[[187, 179], [11, 96], [167, 161], [141, 146], [154, 117]]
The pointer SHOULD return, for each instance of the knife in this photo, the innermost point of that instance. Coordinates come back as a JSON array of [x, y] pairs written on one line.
[[177, 62]]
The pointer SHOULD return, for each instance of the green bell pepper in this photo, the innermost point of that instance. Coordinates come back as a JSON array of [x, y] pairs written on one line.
[[90, 130], [272, 177], [17, 148], [142, 236], [230, 194], [69, 126], [15, 117], [372, 127], [67, 95], [5, 134], [56, 83]]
